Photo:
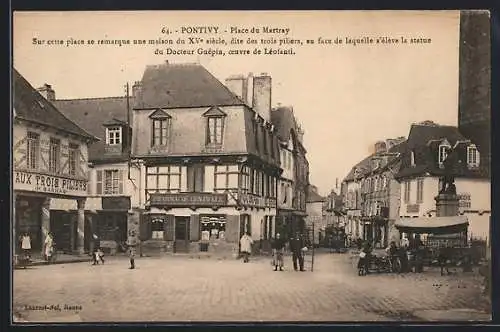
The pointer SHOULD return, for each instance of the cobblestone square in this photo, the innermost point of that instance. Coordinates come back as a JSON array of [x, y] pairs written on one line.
[[182, 289]]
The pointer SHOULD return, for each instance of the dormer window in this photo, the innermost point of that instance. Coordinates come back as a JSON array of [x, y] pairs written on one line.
[[443, 153], [160, 131], [472, 156], [114, 135], [215, 126], [412, 158]]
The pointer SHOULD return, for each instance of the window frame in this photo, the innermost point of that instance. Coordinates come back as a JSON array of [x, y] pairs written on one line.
[[116, 176], [114, 135], [169, 173], [475, 155], [420, 190], [73, 165], [54, 155], [407, 191], [225, 171], [442, 153], [32, 150], [164, 123]]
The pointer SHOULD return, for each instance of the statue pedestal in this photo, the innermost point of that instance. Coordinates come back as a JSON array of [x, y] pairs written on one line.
[[446, 205]]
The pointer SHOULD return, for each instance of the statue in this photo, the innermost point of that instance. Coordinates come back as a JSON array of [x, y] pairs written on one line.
[[448, 180]]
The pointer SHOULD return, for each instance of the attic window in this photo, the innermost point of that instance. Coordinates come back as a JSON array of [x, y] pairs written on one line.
[[114, 135], [443, 152], [215, 125], [472, 156], [412, 158]]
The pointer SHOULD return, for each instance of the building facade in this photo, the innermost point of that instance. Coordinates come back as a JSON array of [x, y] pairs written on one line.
[[113, 205], [315, 219], [294, 180], [422, 167], [49, 165], [204, 184]]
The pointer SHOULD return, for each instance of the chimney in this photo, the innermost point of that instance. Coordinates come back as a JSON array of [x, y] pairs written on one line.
[[136, 88], [238, 85], [47, 91], [261, 99], [380, 147], [250, 87]]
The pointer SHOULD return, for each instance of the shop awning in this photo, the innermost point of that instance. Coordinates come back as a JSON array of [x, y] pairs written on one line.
[[433, 225]]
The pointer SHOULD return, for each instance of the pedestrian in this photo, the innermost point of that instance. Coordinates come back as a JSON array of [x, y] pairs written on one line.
[[278, 246], [26, 245], [297, 247], [131, 243], [246, 247], [49, 247], [98, 256]]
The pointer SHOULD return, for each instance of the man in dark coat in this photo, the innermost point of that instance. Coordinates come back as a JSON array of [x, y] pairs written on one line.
[[296, 246]]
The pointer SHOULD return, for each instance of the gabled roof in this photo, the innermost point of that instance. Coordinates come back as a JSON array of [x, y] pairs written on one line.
[[424, 141], [30, 105], [285, 126], [181, 86], [92, 114]]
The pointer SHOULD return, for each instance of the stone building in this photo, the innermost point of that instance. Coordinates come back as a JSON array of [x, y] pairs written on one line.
[[422, 169], [49, 165], [209, 162], [294, 181]]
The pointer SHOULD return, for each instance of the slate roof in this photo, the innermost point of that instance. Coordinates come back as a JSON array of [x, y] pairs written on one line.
[[313, 196], [182, 85], [424, 141], [30, 105], [285, 126], [91, 114]]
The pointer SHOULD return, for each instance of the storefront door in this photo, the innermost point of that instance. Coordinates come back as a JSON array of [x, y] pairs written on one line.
[[62, 226], [28, 220], [182, 234]]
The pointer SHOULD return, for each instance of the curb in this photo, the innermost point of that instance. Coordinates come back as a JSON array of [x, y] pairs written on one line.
[[40, 263]]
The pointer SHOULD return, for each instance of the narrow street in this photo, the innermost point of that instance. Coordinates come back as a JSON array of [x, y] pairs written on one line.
[[183, 289]]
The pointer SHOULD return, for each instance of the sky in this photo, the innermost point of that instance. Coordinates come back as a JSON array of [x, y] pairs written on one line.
[[346, 97]]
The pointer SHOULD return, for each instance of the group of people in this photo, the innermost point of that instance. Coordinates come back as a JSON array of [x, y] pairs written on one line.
[[278, 245], [48, 246]]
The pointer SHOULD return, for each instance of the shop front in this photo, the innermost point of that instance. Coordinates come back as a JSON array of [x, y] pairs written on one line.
[[33, 193], [201, 222]]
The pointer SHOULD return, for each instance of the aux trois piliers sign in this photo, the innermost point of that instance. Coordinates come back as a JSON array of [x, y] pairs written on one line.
[[31, 181]]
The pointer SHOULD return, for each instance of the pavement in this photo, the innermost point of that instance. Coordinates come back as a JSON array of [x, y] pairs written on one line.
[[180, 289]]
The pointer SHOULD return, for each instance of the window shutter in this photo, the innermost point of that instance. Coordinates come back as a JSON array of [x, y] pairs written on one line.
[[190, 178], [195, 227], [144, 222], [232, 228], [120, 181], [169, 228], [99, 182]]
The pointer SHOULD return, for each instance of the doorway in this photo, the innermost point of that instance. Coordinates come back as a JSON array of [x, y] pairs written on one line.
[[181, 234]]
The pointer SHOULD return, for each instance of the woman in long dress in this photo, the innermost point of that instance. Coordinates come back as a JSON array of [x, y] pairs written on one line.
[[49, 247]]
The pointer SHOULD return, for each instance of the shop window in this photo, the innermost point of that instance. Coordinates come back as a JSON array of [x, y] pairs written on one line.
[[163, 179], [157, 228], [54, 155], [33, 150], [114, 135], [73, 159], [226, 177], [212, 227]]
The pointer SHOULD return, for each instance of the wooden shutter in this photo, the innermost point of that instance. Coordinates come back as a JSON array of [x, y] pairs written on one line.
[[90, 190], [195, 227], [169, 228], [99, 182], [232, 228], [190, 178], [120, 181], [199, 178]]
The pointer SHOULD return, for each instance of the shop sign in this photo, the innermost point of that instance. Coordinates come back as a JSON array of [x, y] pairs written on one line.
[[36, 182], [116, 203], [257, 201], [464, 200], [189, 199]]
